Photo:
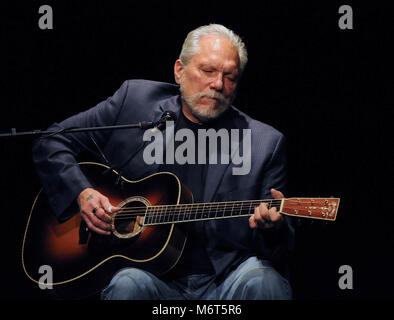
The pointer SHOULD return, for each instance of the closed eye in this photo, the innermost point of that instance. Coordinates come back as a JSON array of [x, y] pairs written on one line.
[[232, 78]]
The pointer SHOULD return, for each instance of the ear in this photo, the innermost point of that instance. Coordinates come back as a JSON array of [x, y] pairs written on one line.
[[178, 69]]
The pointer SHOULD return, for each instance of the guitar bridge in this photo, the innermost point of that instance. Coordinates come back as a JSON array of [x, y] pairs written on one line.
[[83, 233]]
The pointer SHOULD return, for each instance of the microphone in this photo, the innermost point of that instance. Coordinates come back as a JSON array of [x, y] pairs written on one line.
[[166, 116]]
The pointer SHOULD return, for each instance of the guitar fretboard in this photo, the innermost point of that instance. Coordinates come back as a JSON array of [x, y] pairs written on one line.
[[165, 214]]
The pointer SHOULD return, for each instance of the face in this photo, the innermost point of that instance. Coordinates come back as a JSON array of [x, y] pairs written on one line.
[[209, 81]]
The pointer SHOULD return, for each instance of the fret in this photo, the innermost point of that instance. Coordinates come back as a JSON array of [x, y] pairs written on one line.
[[158, 214], [181, 213], [147, 217], [157, 217], [240, 209], [161, 215], [193, 216], [208, 214], [250, 208], [201, 212], [194, 212], [149, 214], [227, 211], [190, 214], [222, 211], [167, 217], [204, 212], [153, 219], [172, 213], [186, 214], [176, 213]]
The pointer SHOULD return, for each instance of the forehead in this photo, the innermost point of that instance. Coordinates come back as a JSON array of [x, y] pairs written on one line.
[[215, 49]]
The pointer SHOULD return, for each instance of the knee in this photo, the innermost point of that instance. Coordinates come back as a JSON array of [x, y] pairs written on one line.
[[129, 284], [265, 284]]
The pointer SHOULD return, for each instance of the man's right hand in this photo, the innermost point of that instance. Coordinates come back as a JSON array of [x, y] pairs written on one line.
[[94, 209]]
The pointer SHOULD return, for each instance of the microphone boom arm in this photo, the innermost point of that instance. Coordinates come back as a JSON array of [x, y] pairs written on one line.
[[14, 133]]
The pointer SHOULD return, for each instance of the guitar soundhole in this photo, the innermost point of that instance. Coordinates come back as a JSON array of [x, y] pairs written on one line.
[[129, 221]]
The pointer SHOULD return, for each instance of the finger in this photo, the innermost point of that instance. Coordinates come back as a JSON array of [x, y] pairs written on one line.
[[252, 222], [102, 215], [261, 217], [108, 207], [274, 214], [262, 212], [96, 229], [95, 219], [276, 194], [91, 225]]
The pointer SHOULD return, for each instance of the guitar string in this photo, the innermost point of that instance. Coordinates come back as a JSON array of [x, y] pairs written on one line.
[[159, 214], [179, 212], [219, 204], [190, 216], [200, 206], [197, 216], [158, 219]]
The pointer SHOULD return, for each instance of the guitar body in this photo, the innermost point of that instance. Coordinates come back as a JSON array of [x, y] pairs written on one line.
[[83, 262]]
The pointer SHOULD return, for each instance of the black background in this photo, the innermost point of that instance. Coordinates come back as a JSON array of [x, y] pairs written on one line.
[[328, 90]]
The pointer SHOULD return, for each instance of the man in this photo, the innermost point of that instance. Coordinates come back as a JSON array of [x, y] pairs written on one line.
[[232, 259]]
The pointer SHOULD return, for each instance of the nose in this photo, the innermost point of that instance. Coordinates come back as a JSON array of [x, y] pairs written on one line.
[[217, 82]]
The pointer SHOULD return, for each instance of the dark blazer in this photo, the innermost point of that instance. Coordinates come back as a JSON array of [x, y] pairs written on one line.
[[231, 240]]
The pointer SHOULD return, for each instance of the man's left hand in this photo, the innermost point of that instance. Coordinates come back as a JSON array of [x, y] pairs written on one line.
[[265, 218]]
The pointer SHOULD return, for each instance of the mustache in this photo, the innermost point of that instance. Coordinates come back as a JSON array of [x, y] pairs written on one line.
[[210, 94]]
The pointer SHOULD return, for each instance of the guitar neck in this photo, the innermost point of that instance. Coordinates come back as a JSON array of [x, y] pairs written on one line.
[[317, 208], [203, 211]]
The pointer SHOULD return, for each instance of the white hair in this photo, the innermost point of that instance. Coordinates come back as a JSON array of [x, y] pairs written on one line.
[[191, 44]]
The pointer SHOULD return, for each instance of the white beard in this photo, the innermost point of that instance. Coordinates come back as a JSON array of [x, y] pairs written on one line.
[[204, 114]]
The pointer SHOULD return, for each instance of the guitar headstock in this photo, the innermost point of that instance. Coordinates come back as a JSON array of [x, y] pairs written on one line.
[[316, 208]]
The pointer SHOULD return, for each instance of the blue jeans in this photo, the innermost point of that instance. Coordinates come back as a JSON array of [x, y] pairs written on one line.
[[254, 279]]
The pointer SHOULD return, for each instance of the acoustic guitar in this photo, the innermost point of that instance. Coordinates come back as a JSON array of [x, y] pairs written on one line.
[[146, 230]]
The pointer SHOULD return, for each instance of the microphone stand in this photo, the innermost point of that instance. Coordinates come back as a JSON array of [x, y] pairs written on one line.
[[167, 116], [14, 133]]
